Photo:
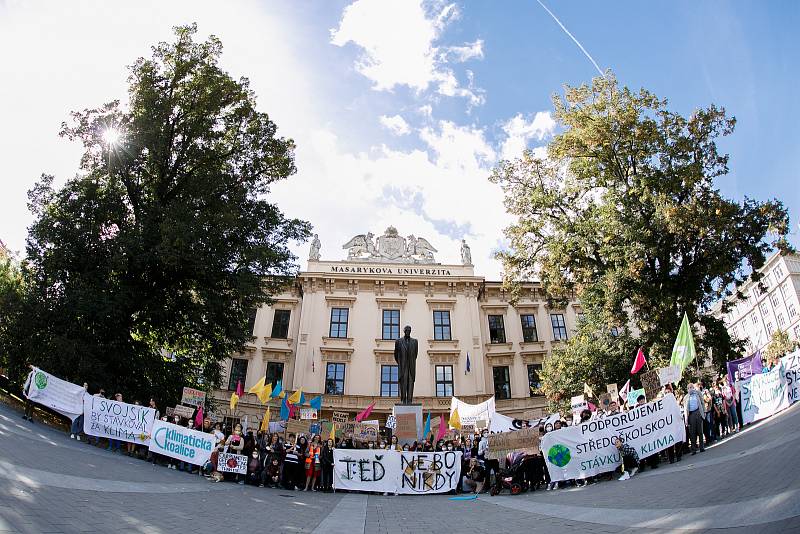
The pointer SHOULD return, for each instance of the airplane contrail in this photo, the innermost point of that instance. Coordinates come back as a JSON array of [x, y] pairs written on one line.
[[573, 38]]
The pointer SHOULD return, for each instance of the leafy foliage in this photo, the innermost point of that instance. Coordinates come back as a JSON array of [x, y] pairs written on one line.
[[780, 344], [144, 266], [625, 211]]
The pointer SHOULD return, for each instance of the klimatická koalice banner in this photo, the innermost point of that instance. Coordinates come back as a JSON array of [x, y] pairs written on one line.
[[107, 418], [588, 448], [396, 472]]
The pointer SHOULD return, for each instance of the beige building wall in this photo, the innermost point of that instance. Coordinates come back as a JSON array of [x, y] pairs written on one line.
[[416, 291]]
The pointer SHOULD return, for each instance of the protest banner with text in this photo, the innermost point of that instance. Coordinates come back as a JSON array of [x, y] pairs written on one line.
[[183, 411], [194, 397], [181, 443], [340, 417], [468, 414], [106, 418], [791, 370], [764, 395], [389, 471], [64, 397], [232, 463], [525, 440], [588, 448]]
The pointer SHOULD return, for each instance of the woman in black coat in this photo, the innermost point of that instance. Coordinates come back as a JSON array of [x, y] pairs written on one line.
[[327, 465]]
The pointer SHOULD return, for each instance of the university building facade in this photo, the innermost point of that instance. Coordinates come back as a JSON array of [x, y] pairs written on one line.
[[333, 333]]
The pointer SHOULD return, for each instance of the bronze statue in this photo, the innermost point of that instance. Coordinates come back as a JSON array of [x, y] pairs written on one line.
[[405, 354]]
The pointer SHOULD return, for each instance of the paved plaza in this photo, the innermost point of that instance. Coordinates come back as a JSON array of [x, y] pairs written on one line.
[[48, 483]]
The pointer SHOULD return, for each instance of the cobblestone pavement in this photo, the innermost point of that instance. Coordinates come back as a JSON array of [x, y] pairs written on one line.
[[48, 483]]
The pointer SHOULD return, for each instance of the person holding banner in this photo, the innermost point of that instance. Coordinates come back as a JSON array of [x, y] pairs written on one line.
[[694, 416], [77, 424], [115, 445], [235, 444]]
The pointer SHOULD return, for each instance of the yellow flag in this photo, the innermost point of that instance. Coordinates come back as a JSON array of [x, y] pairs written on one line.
[[295, 398], [333, 432], [587, 391], [265, 394], [234, 400], [257, 387], [265, 421], [455, 420]]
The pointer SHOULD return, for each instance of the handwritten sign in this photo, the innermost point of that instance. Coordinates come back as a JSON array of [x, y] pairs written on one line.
[[651, 384], [194, 397], [391, 422], [232, 463], [183, 411], [669, 375], [308, 413], [107, 418], [525, 440], [365, 432], [386, 471], [406, 426], [340, 417], [613, 391], [633, 395], [293, 426]]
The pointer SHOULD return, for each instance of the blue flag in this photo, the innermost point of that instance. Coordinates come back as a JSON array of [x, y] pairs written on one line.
[[277, 390], [427, 429], [284, 410], [316, 403]]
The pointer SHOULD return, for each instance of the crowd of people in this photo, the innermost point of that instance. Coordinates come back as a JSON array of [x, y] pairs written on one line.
[[298, 462]]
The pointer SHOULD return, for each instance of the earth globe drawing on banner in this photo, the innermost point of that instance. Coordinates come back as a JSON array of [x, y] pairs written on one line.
[[559, 455]]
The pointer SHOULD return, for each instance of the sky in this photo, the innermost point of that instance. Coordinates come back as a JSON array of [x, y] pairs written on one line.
[[401, 109]]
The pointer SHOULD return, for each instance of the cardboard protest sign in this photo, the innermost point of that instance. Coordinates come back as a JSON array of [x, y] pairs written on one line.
[[651, 383], [106, 418], [588, 448], [406, 426], [605, 401], [232, 463], [48, 390], [578, 404], [347, 431], [525, 440], [181, 443], [340, 417], [387, 471], [669, 375], [613, 391], [293, 426], [308, 413], [183, 411], [365, 432], [169, 411], [633, 395], [194, 397], [391, 422]]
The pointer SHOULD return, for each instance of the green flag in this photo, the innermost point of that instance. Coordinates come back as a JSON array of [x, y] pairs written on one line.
[[683, 349]]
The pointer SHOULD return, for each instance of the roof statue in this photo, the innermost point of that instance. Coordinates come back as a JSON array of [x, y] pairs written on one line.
[[390, 247]]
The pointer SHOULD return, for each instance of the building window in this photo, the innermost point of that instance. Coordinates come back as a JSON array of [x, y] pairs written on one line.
[[228, 423], [280, 324], [391, 324], [502, 383], [770, 329], [797, 332], [497, 331], [757, 291], [534, 383], [781, 320], [778, 271], [390, 385], [559, 326], [775, 300], [614, 331], [334, 379], [785, 290], [529, 333], [339, 322], [251, 321], [791, 310], [441, 325], [764, 309], [754, 319], [238, 373], [444, 380], [274, 373]]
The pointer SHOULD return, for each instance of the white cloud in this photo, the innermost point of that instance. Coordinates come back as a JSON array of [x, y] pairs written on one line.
[[459, 147], [395, 124], [519, 131], [398, 39]]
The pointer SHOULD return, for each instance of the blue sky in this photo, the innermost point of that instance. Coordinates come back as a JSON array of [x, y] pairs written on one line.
[[400, 109]]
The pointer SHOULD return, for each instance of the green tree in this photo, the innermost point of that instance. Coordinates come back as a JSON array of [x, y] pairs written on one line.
[[144, 267], [625, 211], [12, 301], [780, 344]]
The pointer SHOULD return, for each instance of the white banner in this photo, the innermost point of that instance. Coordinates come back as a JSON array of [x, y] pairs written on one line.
[[504, 423], [181, 443], [791, 370], [470, 413], [588, 448], [64, 397], [764, 394], [232, 463], [396, 472], [107, 418]]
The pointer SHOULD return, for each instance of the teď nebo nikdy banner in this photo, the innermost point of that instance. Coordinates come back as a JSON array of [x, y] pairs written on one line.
[[383, 471], [588, 448]]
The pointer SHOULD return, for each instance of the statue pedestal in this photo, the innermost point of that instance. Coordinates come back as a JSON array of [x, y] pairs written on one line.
[[409, 422]]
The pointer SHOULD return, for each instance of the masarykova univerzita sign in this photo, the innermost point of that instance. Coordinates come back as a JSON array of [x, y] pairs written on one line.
[[181, 443], [396, 472], [107, 418], [64, 397], [588, 448]]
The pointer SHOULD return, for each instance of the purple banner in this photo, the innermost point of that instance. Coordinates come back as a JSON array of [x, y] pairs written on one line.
[[746, 367]]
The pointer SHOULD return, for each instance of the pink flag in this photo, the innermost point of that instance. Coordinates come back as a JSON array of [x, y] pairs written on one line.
[[639, 362], [363, 415], [239, 389], [623, 393], [198, 419], [442, 428], [592, 407]]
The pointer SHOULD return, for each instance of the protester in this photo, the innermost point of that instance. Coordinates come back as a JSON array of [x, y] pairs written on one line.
[[313, 464], [234, 445], [694, 416], [76, 427], [291, 463], [255, 468], [115, 445], [326, 461], [474, 478], [630, 458]]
